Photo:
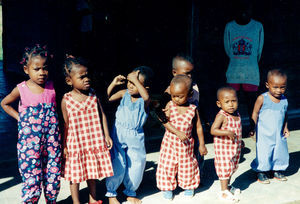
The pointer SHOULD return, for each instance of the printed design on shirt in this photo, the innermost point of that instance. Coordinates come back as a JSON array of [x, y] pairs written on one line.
[[242, 47]]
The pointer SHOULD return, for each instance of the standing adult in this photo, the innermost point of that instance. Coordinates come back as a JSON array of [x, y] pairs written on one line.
[[243, 42]]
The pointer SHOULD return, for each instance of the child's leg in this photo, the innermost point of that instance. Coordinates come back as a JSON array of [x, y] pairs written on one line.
[[74, 188], [188, 170], [30, 170], [51, 158], [136, 161], [92, 190], [224, 184], [29, 156], [119, 164], [167, 167]]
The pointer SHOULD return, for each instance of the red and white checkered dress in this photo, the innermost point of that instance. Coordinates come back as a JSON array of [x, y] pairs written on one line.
[[177, 156], [227, 152], [88, 156]]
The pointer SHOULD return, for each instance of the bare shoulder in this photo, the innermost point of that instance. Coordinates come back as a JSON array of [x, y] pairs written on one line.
[[260, 99]]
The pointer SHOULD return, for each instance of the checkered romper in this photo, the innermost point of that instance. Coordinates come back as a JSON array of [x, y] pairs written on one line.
[[88, 156], [177, 156], [227, 152]]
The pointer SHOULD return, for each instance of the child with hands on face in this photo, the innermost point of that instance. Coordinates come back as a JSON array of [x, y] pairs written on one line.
[[177, 148], [227, 132], [86, 135], [269, 115], [128, 153]]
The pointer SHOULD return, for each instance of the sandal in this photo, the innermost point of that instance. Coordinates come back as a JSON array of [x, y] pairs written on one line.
[[279, 176], [228, 197], [235, 191], [263, 178]]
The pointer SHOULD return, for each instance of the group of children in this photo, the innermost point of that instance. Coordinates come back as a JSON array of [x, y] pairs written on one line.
[[91, 153]]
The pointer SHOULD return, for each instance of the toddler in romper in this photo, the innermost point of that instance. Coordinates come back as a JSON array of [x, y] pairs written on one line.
[[86, 146], [38, 144], [227, 132], [177, 148], [128, 153], [269, 115]]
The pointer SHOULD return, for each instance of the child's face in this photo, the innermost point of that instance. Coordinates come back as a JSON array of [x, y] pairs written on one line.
[[132, 90], [228, 101], [277, 85], [182, 67], [79, 78], [179, 93], [37, 70]]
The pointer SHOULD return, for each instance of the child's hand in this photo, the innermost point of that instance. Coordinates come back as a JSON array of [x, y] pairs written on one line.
[[202, 150], [286, 132], [118, 80], [231, 135], [109, 142], [182, 136], [66, 154], [251, 133], [133, 76]]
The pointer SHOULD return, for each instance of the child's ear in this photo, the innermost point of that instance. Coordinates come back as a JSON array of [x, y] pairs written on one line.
[[218, 104], [25, 68], [68, 81], [191, 93], [267, 85], [174, 72]]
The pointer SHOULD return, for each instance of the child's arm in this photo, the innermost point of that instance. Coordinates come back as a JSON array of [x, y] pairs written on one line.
[[133, 77], [181, 135], [10, 98], [215, 128], [202, 147], [257, 106], [286, 131], [66, 124], [118, 80], [108, 140]]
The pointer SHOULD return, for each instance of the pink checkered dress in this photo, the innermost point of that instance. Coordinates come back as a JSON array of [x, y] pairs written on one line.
[[177, 157], [88, 156], [227, 152]]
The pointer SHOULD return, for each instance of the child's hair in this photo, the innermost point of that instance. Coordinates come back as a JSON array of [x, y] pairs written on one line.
[[147, 73], [70, 62], [180, 78], [276, 72], [35, 51], [224, 88], [181, 56]]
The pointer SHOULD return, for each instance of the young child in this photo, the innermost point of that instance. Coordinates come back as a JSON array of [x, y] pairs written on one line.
[[227, 132], [38, 143], [86, 139], [177, 148], [128, 153], [183, 64], [269, 115]]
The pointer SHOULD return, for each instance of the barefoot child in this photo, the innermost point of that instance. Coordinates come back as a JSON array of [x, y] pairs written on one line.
[[86, 141], [269, 115], [128, 153], [38, 144], [177, 148], [227, 132]]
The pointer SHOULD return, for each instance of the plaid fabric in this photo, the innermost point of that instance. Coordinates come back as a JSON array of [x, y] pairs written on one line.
[[88, 156], [177, 157], [227, 153]]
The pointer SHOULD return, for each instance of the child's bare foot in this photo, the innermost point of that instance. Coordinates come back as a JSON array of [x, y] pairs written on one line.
[[113, 200], [134, 200]]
